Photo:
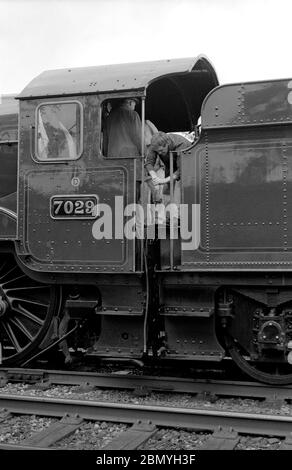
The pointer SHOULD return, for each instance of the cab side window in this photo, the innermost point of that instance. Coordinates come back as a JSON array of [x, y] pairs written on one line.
[[59, 131], [121, 128]]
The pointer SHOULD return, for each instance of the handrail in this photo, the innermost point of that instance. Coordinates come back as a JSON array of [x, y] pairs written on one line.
[[170, 213], [142, 182]]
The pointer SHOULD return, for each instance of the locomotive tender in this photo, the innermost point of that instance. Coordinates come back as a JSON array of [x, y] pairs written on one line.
[[228, 296]]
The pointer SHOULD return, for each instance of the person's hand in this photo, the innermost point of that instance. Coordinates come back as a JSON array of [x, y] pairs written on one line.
[[156, 180]]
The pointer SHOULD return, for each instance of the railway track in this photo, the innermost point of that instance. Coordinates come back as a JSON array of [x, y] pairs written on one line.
[[43, 379], [143, 421]]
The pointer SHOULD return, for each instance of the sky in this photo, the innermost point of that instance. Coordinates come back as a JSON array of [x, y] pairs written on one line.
[[245, 40]]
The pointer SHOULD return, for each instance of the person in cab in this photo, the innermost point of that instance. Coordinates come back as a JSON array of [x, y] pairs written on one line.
[[122, 132], [161, 146]]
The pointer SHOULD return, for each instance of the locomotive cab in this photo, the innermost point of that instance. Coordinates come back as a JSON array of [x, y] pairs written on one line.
[[66, 177], [74, 199]]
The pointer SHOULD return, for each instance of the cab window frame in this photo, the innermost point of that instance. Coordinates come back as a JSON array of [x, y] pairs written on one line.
[[36, 155]]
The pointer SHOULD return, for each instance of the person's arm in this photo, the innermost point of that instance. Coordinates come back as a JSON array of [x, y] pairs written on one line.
[[167, 179], [155, 178], [176, 174], [149, 165], [150, 161]]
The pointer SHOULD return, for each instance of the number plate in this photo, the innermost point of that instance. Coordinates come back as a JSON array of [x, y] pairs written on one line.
[[74, 207]]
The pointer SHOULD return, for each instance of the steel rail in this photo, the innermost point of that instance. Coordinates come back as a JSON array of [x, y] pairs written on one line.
[[6, 446], [151, 383], [162, 416]]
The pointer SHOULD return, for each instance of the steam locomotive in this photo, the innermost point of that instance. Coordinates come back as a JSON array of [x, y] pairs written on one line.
[[223, 290]]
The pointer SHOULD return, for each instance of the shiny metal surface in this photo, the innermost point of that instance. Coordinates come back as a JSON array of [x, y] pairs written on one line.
[[240, 172], [136, 76], [242, 181], [248, 104], [69, 245]]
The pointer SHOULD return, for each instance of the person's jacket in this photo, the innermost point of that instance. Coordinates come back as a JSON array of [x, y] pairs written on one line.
[[178, 143], [122, 134]]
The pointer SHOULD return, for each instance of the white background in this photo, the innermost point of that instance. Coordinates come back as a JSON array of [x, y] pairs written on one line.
[[244, 39]]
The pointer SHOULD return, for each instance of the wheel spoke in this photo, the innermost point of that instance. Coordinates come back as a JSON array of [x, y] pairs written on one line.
[[22, 328], [3, 266], [39, 303], [10, 281], [30, 308], [9, 272], [24, 312], [12, 289], [12, 336]]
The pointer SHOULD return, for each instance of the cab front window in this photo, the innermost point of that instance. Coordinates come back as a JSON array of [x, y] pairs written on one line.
[[59, 131]]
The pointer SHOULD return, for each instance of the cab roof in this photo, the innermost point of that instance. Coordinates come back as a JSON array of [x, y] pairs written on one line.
[[113, 78]]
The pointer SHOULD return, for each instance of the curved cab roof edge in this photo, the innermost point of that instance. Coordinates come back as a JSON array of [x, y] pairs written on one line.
[[109, 78]]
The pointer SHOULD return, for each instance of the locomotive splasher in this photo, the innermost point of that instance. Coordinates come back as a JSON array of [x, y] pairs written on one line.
[[230, 295]]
